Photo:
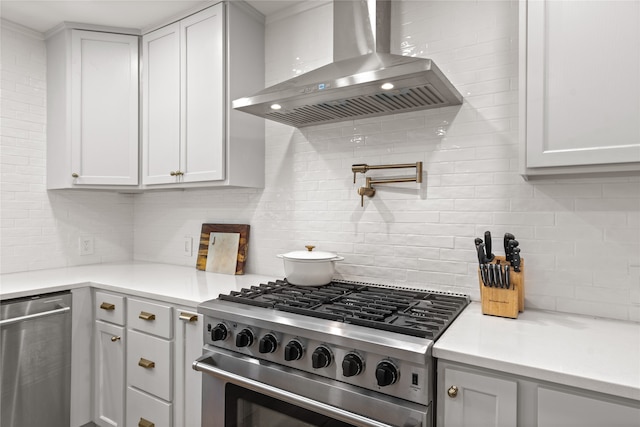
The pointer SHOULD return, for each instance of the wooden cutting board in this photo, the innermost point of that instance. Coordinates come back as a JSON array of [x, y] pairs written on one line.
[[223, 248]]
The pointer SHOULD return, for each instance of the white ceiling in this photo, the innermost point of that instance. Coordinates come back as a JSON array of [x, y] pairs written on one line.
[[43, 15]]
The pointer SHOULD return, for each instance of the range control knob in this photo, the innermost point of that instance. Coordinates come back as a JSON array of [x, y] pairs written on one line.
[[321, 357], [219, 332], [386, 373], [268, 344], [352, 365], [244, 338], [293, 350]]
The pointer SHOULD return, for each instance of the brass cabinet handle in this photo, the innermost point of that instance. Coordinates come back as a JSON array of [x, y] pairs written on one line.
[[107, 306], [176, 173], [75, 175], [145, 423], [147, 316], [188, 317], [453, 391], [147, 364], [172, 173], [115, 338]]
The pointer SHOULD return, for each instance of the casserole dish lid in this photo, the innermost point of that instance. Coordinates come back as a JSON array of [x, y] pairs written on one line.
[[310, 255]]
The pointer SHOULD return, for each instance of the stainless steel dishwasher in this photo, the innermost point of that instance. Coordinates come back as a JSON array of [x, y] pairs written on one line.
[[35, 371]]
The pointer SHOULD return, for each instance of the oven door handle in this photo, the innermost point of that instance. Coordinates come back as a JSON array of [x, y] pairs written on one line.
[[205, 364]]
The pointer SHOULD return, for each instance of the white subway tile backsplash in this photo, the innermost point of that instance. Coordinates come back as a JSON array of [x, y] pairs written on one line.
[[46, 225], [579, 237]]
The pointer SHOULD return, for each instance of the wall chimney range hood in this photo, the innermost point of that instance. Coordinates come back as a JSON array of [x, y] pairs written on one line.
[[364, 79]]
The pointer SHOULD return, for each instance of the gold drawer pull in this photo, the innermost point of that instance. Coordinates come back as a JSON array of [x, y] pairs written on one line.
[[146, 316], [148, 364], [107, 306], [188, 317], [145, 423], [115, 338]]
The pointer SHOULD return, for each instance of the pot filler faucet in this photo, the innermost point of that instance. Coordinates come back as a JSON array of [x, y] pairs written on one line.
[[368, 189]]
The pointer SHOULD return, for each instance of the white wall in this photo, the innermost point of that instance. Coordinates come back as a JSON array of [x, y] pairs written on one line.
[[41, 229], [580, 237]]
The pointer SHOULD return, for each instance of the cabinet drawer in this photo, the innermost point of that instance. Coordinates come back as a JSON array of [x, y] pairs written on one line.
[[110, 307], [149, 317], [149, 364], [145, 411]]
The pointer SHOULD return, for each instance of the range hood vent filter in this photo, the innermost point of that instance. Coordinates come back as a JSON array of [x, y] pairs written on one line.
[[361, 106], [351, 87]]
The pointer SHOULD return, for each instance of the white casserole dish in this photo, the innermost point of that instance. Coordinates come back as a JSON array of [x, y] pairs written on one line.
[[309, 268]]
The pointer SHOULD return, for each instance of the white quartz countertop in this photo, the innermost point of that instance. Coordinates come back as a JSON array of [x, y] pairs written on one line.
[[590, 353], [171, 283]]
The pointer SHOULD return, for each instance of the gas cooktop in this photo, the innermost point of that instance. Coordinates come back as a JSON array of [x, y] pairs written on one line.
[[424, 314], [375, 337]]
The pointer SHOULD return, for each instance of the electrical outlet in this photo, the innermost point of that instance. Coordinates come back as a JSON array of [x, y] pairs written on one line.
[[85, 244], [188, 246]]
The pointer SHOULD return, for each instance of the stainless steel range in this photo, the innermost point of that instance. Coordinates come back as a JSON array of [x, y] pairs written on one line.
[[343, 354]]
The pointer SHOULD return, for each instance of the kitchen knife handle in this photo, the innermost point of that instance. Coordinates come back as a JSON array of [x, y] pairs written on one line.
[[487, 275], [515, 262], [483, 274], [507, 276], [487, 242], [481, 256], [507, 252]]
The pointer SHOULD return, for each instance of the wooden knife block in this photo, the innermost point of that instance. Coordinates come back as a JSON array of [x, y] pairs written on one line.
[[504, 302]]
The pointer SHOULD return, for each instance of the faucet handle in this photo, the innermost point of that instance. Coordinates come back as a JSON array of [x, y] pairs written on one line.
[[366, 191], [361, 167]]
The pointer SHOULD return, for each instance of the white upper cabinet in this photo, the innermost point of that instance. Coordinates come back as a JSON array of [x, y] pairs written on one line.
[[161, 105], [189, 135], [580, 86], [92, 109]]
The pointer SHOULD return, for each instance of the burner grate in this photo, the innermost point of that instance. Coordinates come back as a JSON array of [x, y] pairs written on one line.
[[410, 312]]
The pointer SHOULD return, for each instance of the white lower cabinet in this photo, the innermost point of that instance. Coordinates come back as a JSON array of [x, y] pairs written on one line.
[[561, 409], [470, 399], [187, 386], [149, 363], [109, 374], [159, 389], [471, 396]]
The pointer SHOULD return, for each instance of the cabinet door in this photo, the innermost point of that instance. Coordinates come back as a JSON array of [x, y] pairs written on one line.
[[203, 97], [104, 108], [188, 383], [561, 409], [161, 105], [109, 375], [582, 85], [477, 400]]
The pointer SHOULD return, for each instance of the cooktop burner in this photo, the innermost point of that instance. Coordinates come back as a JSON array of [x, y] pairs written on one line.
[[423, 314]]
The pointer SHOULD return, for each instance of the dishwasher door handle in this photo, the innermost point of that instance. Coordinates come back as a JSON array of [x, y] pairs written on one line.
[[13, 320]]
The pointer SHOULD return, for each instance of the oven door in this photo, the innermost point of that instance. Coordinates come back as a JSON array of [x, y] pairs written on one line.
[[240, 391]]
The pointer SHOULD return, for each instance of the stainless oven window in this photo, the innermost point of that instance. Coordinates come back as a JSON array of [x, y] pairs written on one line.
[[247, 408]]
